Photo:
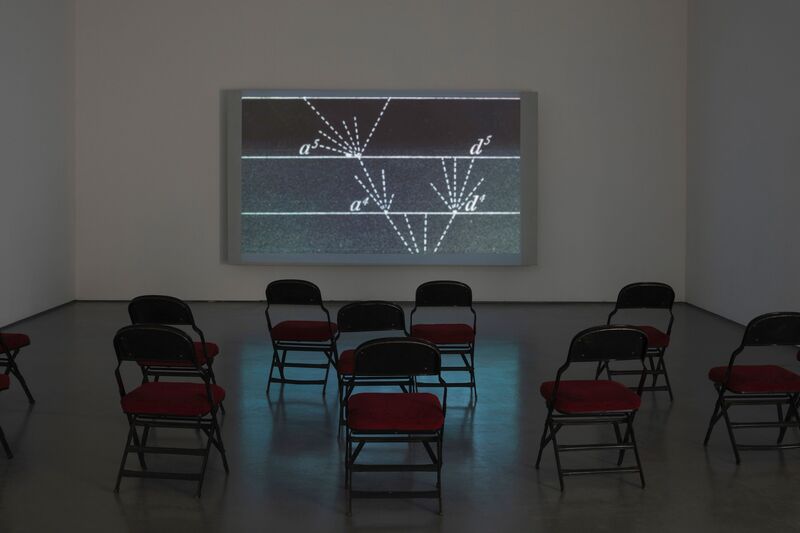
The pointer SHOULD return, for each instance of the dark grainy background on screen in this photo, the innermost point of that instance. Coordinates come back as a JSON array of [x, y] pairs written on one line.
[[292, 183]]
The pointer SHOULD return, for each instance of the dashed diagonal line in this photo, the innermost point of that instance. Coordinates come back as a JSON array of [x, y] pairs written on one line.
[[376, 123], [324, 120], [446, 204], [398, 232], [449, 222], [369, 178], [334, 141], [349, 136], [366, 190], [411, 233], [464, 186], [355, 127], [331, 149]]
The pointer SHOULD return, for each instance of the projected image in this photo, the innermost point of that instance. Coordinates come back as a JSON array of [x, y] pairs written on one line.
[[398, 179]]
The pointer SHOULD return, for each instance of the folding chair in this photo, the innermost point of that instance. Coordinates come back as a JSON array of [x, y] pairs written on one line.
[[299, 335], [4, 384], [366, 317], [649, 295], [10, 345], [392, 417], [170, 311], [163, 404], [451, 338], [759, 384], [595, 402]]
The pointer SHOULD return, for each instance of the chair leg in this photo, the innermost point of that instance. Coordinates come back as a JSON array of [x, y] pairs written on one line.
[[17, 374], [5, 445], [715, 416], [618, 434], [662, 367], [214, 381], [272, 369], [558, 457], [472, 372], [218, 442], [629, 431], [137, 443], [543, 442], [124, 457], [724, 409], [600, 367], [205, 464], [439, 468]]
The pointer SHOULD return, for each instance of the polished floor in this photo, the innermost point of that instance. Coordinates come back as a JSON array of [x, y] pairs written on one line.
[[286, 460]]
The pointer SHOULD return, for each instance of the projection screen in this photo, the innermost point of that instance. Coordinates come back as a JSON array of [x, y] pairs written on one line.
[[397, 178]]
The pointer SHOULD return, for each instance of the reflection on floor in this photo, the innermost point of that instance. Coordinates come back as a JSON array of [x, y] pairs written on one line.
[[286, 460]]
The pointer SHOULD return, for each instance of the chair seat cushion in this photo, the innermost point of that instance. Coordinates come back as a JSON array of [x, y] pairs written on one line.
[[757, 378], [303, 330], [212, 350], [655, 337], [591, 396], [444, 333], [394, 411], [14, 341], [171, 398], [347, 362], [4, 381]]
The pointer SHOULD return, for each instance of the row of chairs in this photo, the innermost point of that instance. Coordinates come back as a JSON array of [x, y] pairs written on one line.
[[287, 299], [159, 349]]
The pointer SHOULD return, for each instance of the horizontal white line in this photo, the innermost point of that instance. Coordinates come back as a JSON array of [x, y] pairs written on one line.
[[381, 157], [310, 97], [373, 213]]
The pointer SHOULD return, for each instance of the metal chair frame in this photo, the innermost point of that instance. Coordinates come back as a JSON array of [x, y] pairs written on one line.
[[646, 295], [394, 358], [4, 442], [8, 360], [295, 292], [600, 343], [771, 329], [129, 344], [363, 317], [445, 293]]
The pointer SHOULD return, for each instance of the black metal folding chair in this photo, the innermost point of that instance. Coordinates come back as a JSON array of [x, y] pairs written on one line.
[[299, 335], [366, 317], [759, 384], [10, 345], [171, 311], [4, 384], [392, 417], [595, 402], [452, 338], [164, 404], [647, 295]]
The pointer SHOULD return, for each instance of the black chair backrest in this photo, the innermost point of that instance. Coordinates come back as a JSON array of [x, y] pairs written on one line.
[[293, 292], [154, 342], [773, 329], [394, 357], [159, 309], [646, 295], [443, 294], [608, 343], [371, 316]]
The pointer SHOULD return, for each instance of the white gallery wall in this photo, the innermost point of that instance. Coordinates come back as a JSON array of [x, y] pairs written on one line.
[[611, 78], [744, 157], [37, 230]]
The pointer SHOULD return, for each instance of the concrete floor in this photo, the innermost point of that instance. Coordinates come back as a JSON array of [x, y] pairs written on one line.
[[286, 460]]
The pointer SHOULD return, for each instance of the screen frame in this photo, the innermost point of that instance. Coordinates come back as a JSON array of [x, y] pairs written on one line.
[[232, 101]]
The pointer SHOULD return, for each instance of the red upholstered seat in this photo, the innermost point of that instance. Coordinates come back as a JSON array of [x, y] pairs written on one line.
[[757, 378], [171, 398], [14, 341], [390, 411], [347, 362], [444, 333], [4, 381], [303, 330], [591, 396], [212, 350], [655, 337]]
